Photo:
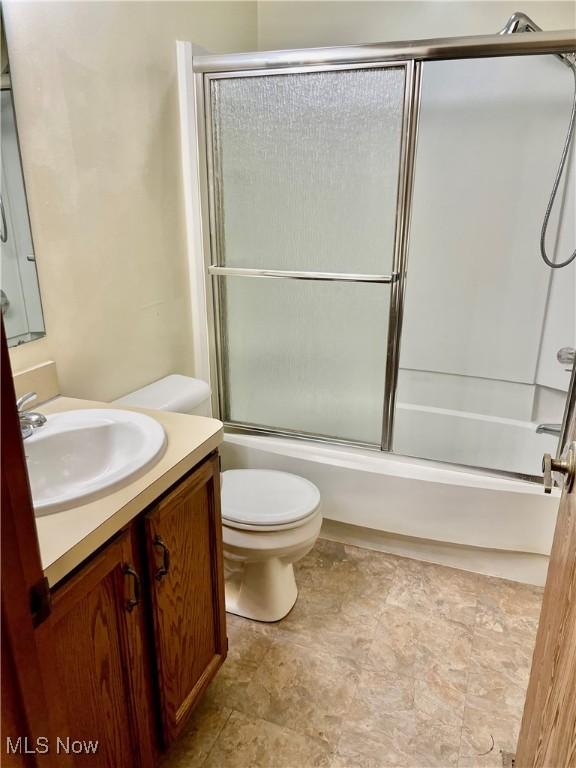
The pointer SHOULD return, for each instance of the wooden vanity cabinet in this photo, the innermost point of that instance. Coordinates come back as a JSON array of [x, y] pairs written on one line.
[[184, 555], [97, 622], [140, 627]]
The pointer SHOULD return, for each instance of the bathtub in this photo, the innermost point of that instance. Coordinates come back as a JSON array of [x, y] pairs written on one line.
[[470, 519], [472, 439]]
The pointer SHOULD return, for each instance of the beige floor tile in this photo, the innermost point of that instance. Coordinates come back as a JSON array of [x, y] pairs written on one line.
[[345, 759], [379, 695], [403, 740], [248, 642], [440, 694], [509, 654], [445, 643], [229, 687], [327, 554], [491, 760], [357, 577], [247, 742], [492, 715], [394, 713], [396, 640], [491, 693], [435, 590], [376, 564], [484, 737], [435, 745], [390, 739], [412, 642], [303, 689], [506, 606], [334, 621], [193, 746], [390, 723]]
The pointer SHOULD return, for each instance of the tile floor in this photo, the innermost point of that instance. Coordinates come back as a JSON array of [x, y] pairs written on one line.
[[383, 662]]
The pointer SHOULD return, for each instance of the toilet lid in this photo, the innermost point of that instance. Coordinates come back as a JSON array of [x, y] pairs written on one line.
[[266, 497]]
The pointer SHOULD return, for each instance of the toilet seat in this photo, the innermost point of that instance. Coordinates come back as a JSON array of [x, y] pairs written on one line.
[[267, 500]]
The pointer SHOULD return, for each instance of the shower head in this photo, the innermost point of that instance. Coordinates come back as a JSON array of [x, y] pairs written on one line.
[[520, 22]]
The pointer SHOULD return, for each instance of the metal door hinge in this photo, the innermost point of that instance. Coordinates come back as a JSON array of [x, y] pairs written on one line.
[[40, 601]]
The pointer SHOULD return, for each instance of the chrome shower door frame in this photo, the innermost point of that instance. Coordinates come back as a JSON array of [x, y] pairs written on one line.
[[214, 244], [411, 55]]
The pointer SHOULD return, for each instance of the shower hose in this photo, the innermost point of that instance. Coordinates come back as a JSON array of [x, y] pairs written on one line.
[[563, 158]]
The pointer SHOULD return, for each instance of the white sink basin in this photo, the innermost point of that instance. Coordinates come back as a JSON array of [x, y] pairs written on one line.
[[80, 455]]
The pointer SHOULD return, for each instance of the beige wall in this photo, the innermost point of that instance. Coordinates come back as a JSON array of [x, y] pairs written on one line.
[[285, 24], [97, 109]]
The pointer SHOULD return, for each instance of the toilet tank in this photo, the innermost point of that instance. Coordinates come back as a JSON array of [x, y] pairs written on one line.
[[181, 394]]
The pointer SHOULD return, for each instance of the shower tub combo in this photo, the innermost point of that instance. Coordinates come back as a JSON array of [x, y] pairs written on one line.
[[379, 318]]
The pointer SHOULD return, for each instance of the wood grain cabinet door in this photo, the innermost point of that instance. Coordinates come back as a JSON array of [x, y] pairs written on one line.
[[98, 630], [184, 548]]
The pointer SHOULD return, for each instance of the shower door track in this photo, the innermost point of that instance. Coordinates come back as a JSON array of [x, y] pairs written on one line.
[[408, 54], [476, 46]]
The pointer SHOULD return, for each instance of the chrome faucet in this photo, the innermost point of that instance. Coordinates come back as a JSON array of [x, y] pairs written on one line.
[[549, 429], [29, 420], [566, 356]]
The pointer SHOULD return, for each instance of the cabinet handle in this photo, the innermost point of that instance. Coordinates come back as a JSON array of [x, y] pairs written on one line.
[[133, 601], [165, 567]]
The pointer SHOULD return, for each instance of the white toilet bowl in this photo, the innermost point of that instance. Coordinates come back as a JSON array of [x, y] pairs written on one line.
[[270, 520]]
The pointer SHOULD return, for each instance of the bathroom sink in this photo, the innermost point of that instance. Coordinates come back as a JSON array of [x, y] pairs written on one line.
[[81, 455]]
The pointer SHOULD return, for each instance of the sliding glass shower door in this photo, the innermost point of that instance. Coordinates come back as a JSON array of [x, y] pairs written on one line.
[[484, 317], [305, 172]]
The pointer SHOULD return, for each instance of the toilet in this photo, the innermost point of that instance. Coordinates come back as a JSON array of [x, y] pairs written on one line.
[[181, 394], [270, 519]]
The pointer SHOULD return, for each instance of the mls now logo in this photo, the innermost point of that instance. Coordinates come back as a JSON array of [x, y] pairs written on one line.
[[22, 745], [75, 746]]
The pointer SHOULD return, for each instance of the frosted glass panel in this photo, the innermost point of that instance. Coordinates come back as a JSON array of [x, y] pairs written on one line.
[[484, 317], [307, 356], [307, 167]]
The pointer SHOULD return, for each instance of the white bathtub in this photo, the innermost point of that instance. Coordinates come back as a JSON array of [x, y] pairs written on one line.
[[472, 439], [443, 507]]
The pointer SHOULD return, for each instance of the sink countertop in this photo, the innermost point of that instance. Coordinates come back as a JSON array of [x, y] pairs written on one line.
[[67, 538]]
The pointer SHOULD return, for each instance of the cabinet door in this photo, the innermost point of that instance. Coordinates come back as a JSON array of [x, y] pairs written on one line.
[[98, 629], [184, 543]]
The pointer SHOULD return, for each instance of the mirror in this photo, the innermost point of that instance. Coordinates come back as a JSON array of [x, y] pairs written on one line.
[[19, 289]]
